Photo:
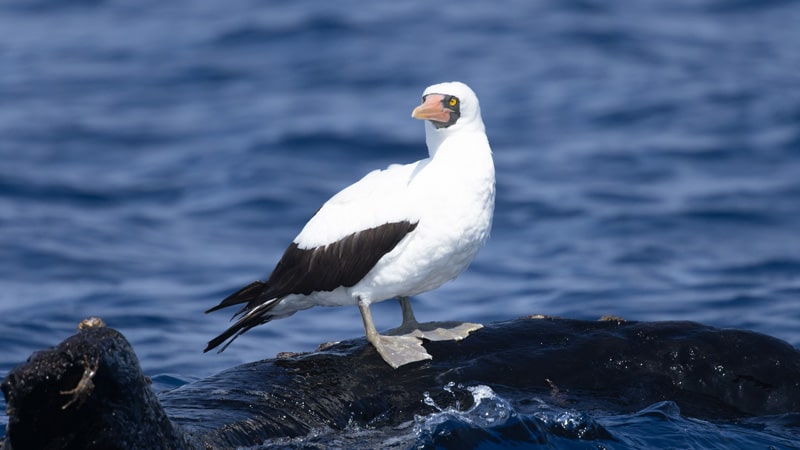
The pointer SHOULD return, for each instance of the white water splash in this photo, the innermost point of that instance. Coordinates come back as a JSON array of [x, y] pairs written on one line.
[[488, 409]]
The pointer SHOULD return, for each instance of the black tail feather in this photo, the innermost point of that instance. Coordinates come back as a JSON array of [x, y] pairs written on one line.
[[246, 294], [233, 332], [252, 314]]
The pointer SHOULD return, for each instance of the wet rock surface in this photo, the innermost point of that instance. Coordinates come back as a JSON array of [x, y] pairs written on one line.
[[89, 391]]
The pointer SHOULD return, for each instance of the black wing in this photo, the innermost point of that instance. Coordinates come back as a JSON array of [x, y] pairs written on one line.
[[303, 271]]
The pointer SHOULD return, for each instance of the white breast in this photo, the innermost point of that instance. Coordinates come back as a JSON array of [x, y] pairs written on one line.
[[454, 197]]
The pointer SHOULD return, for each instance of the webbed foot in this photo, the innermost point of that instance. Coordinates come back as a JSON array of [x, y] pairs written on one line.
[[400, 350], [436, 331]]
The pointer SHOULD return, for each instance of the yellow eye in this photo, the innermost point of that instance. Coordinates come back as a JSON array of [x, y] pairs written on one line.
[[453, 101]]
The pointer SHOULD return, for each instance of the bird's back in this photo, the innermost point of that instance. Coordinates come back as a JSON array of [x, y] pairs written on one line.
[[380, 197]]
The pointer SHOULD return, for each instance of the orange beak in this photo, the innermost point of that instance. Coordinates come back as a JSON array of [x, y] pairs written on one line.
[[432, 108]]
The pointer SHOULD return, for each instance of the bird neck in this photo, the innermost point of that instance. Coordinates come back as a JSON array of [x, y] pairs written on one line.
[[434, 142], [436, 138]]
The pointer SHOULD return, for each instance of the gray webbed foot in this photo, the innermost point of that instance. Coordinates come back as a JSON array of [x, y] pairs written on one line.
[[403, 345], [400, 350], [432, 331], [436, 331]]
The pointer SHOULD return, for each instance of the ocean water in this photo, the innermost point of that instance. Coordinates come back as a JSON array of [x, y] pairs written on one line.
[[492, 421], [156, 156]]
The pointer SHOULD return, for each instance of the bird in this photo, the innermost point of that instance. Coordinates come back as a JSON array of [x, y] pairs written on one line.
[[394, 234]]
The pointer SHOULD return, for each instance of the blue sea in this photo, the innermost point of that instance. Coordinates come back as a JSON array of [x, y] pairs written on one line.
[[156, 156]]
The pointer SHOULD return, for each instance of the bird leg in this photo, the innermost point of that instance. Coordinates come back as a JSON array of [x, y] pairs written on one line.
[[408, 314], [395, 350], [432, 331]]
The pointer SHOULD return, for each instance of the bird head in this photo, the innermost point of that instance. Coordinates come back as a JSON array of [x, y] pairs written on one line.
[[449, 107]]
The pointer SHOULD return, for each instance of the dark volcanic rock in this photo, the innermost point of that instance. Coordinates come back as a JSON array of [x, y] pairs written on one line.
[[609, 365], [87, 393]]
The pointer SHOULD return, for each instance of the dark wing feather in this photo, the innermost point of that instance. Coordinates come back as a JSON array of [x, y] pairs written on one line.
[[303, 271], [341, 263]]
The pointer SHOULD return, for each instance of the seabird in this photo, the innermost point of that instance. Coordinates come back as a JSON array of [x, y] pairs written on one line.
[[395, 233]]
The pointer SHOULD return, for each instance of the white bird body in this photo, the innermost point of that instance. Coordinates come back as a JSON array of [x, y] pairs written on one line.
[[429, 217], [451, 197]]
